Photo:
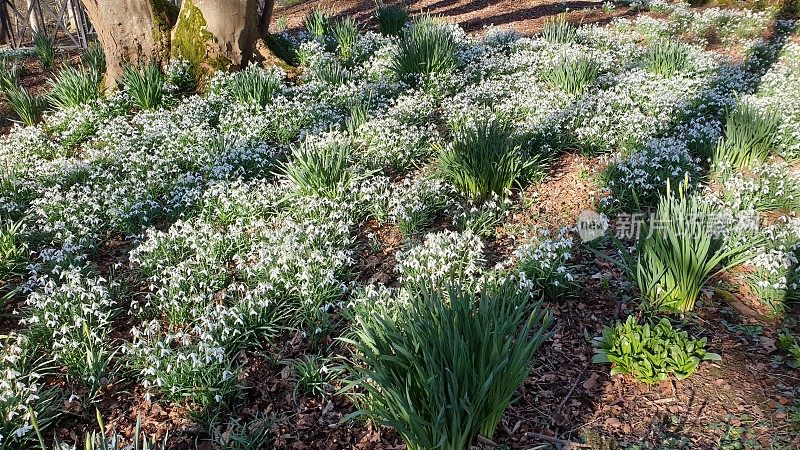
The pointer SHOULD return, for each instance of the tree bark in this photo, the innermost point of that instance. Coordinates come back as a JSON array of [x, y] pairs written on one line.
[[131, 31], [210, 34], [266, 16], [215, 34], [5, 24]]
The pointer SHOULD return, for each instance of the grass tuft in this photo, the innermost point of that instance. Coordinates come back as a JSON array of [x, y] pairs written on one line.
[[28, 107], [424, 49], [95, 58], [442, 366], [318, 22], [320, 169], [680, 251], [345, 32], [9, 75], [483, 159], [145, 85], [572, 76], [254, 85], [750, 134], [558, 31], [73, 87], [667, 58], [45, 49], [392, 18]]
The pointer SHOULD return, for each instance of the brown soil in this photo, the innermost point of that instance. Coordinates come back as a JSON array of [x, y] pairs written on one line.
[[525, 16]]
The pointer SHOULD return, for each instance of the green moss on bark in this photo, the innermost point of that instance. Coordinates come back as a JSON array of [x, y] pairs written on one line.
[[191, 37]]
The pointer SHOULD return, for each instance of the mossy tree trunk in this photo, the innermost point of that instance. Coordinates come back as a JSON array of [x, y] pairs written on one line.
[[131, 31], [210, 34]]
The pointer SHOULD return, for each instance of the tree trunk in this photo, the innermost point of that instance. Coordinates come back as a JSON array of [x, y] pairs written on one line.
[[210, 34], [266, 16], [131, 31], [216, 34], [5, 24]]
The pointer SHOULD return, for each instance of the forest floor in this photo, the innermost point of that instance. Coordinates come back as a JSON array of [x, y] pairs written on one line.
[[748, 400], [525, 16]]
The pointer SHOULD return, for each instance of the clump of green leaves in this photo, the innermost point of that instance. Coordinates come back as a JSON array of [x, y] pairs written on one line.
[[45, 49], [320, 168], [650, 352], [424, 49], [667, 58], [12, 249], [95, 58], [750, 134], [483, 159], [680, 251], [145, 85], [558, 31], [791, 345], [73, 87], [359, 114], [318, 22], [252, 435], [28, 107], [254, 85], [443, 365], [314, 375], [108, 440], [392, 18], [330, 71], [345, 32], [9, 75], [572, 76], [13, 256]]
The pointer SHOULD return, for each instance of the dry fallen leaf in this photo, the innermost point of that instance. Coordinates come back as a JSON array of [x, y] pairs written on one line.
[[591, 382]]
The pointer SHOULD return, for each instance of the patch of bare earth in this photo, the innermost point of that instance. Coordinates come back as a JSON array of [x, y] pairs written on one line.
[[525, 16]]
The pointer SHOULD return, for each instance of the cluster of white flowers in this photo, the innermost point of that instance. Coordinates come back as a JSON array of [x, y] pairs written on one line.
[[636, 178], [284, 265], [74, 311], [705, 26], [21, 389], [442, 258], [769, 186], [9, 53], [182, 365], [386, 143], [780, 90], [638, 107], [773, 270], [481, 218], [637, 181], [725, 26], [543, 264], [414, 204]]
